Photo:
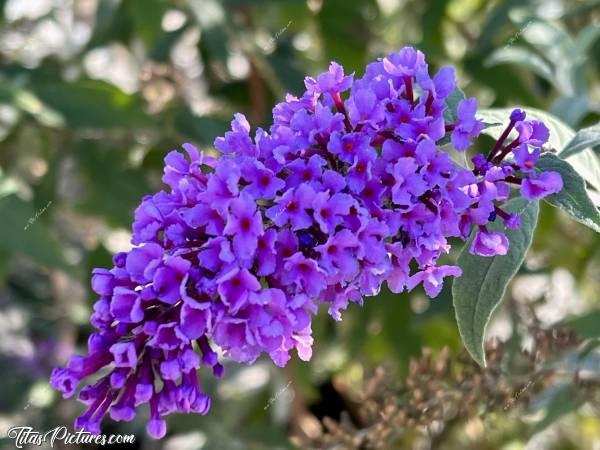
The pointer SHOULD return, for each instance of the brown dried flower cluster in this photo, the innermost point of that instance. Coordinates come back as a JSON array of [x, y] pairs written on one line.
[[443, 390]]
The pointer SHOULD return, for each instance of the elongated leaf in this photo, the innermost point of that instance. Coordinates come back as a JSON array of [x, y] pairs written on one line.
[[586, 137], [433, 40], [110, 187], [201, 130], [573, 198], [587, 325], [92, 104], [521, 57], [480, 289], [147, 16], [587, 164], [556, 45], [587, 37], [571, 108], [343, 18], [563, 401]]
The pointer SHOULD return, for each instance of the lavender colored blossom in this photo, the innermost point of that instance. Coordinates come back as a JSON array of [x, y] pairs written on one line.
[[539, 186], [487, 243], [348, 190]]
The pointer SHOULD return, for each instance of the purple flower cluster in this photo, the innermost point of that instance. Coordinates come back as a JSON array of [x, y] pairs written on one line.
[[347, 190]]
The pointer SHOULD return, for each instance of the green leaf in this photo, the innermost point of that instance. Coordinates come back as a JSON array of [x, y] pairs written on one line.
[[586, 162], [571, 109], [480, 289], [7, 185], [25, 232], [433, 41], [495, 20], [586, 325], [587, 37], [147, 17], [521, 57], [562, 402], [92, 104], [201, 129], [349, 19], [586, 137], [111, 187], [557, 46], [211, 17], [113, 23], [450, 114], [573, 198]]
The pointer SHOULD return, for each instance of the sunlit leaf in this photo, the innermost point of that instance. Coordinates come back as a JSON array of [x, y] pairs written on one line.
[[573, 198], [585, 138], [571, 109], [521, 57]]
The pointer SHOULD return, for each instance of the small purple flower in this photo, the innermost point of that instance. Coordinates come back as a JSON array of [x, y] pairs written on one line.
[[525, 159], [305, 172], [346, 146], [332, 81], [467, 125], [263, 182], [517, 115], [124, 354], [359, 172], [444, 82], [194, 321], [126, 305], [512, 221], [486, 243], [408, 183], [245, 224], [337, 255], [265, 253], [541, 185], [223, 186], [141, 262], [532, 132], [481, 164], [292, 206], [432, 278], [328, 211], [238, 140], [404, 63], [364, 108], [235, 287], [305, 274], [169, 279]]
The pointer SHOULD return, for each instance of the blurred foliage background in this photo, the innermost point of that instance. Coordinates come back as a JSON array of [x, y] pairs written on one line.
[[94, 93]]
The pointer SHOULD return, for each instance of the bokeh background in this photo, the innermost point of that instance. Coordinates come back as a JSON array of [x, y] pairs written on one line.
[[94, 93]]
